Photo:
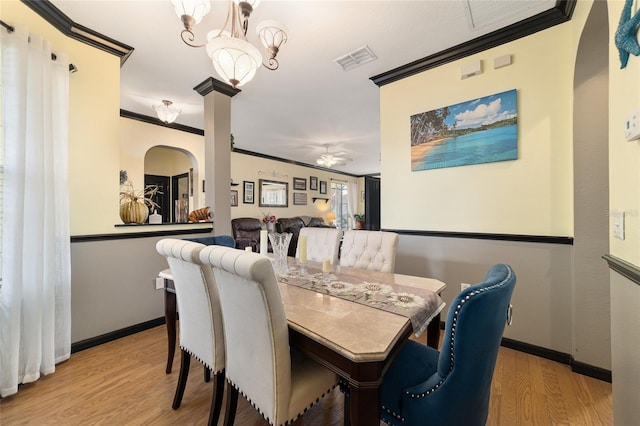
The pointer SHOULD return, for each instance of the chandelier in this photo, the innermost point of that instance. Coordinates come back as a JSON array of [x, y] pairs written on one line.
[[234, 58], [166, 112]]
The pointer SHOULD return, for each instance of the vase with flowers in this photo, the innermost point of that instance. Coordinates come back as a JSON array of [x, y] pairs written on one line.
[[269, 222]]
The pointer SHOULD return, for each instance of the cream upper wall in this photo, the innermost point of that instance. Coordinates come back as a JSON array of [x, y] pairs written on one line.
[[247, 168], [532, 195], [138, 137], [94, 140], [624, 157], [163, 161]]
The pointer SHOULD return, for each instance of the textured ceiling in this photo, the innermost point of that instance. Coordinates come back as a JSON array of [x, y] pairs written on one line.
[[310, 101]]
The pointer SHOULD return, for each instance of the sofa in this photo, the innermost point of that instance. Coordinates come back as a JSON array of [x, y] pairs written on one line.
[[293, 225]]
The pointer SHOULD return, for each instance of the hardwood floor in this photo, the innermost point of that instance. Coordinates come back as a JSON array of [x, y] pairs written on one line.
[[123, 383]]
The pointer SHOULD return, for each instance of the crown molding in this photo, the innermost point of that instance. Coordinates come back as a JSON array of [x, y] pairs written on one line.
[[65, 25], [212, 85], [559, 14]]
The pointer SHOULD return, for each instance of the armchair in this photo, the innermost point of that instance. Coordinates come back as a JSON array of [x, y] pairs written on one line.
[[452, 387], [246, 232]]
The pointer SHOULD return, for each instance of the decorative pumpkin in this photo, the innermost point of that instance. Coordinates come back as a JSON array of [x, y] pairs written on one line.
[[134, 212], [134, 205]]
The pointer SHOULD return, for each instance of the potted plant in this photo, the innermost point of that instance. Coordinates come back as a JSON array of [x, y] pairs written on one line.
[[360, 221], [134, 205]]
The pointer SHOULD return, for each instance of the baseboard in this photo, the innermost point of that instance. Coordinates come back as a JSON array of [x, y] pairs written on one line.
[[116, 334], [564, 358], [561, 357], [591, 371]]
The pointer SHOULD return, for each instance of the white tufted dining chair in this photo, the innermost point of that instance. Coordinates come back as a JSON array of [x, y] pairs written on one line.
[[201, 333], [322, 243], [373, 250], [277, 380]]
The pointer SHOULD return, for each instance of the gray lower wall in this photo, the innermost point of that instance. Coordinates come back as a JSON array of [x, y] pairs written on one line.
[[625, 349], [113, 285], [542, 300]]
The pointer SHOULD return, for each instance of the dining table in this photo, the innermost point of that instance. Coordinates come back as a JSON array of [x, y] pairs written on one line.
[[351, 331]]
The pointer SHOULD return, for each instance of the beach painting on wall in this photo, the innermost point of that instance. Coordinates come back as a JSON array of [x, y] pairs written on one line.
[[483, 130]]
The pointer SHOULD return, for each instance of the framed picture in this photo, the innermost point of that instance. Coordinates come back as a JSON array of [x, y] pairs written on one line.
[[300, 198], [323, 186], [248, 189], [477, 131], [299, 184], [234, 198], [313, 183]]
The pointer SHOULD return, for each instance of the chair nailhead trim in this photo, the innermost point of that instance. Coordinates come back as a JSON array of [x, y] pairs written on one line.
[[287, 422], [199, 360], [453, 335], [393, 413]]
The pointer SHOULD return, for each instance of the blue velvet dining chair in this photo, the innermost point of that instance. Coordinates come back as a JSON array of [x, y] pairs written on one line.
[[452, 387], [216, 240]]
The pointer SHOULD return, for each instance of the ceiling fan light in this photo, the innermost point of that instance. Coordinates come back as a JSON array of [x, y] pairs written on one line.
[[196, 9], [167, 112], [235, 60]]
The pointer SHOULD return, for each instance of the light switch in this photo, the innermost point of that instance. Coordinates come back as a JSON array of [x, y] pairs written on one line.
[[618, 225], [632, 126]]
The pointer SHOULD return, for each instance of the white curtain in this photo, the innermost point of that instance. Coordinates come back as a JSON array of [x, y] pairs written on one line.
[[35, 314], [352, 202]]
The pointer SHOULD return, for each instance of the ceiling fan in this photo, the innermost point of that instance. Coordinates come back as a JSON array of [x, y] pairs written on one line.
[[329, 159]]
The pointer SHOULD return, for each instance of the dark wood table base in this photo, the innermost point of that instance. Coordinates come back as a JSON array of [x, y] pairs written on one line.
[[170, 316]]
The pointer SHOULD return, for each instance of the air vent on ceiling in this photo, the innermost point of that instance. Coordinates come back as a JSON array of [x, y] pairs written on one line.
[[356, 58]]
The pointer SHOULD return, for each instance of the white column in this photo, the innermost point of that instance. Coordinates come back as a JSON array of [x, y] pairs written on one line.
[[217, 151]]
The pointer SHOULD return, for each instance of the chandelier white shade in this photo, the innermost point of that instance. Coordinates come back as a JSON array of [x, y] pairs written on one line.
[[272, 34], [234, 58], [193, 9], [167, 112]]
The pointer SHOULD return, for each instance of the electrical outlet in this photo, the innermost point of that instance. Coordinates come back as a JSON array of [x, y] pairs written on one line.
[[464, 286], [159, 283]]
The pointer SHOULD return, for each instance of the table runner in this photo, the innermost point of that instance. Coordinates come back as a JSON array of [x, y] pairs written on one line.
[[419, 305]]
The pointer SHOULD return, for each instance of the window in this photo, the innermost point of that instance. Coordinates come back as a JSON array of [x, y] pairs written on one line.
[[339, 204]]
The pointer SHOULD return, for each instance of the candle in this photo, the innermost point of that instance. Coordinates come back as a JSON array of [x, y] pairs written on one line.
[[264, 242], [302, 249], [326, 265], [248, 248]]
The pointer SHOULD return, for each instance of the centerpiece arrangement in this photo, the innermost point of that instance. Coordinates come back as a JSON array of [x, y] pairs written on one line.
[[269, 221]]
